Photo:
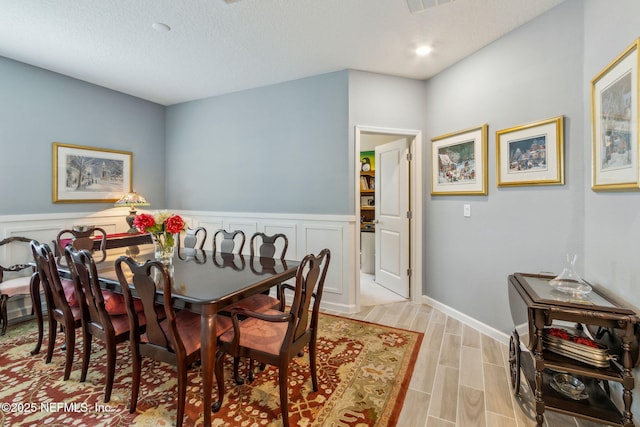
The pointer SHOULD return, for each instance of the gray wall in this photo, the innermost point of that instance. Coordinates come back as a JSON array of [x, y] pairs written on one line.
[[38, 107], [531, 74], [612, 220], [280, 148]]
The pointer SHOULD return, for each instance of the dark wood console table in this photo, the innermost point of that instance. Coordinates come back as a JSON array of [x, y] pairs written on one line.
[[535, 305]]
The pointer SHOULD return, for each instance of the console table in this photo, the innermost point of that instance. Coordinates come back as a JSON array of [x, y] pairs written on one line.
[[535, 305], [117, 240]]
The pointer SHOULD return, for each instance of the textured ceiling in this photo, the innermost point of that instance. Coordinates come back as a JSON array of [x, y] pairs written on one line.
[[215, 47]]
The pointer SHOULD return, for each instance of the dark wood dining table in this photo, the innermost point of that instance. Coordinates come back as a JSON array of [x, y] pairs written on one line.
[[203, 282]]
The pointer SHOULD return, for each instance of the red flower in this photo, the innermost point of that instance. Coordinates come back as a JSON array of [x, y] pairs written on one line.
[[143, 221], [174, 224]]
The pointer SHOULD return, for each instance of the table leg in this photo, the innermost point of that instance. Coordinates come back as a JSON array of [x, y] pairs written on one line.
[[34, 289], [208, 354]]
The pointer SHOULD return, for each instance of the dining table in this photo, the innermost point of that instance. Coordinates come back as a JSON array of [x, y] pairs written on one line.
[[203, 282]]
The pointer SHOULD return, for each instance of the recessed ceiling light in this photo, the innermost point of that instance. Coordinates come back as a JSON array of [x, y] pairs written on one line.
[[423, 50], [160, 27]]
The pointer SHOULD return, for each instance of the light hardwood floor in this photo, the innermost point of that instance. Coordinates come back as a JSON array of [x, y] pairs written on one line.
[[461, 376]]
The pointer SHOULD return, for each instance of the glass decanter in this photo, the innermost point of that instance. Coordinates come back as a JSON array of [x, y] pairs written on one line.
[[569, 281]]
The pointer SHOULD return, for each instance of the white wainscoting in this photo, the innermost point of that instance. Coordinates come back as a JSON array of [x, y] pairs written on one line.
[[306, 234]]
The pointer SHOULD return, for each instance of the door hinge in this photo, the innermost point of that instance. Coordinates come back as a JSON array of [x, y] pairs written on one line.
[[409, 157], [408, 272], [409, 215]]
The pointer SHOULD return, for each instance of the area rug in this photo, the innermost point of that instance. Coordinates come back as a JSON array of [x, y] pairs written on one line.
[[364, 371]]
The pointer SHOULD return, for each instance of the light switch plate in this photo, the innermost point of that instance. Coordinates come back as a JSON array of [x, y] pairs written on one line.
[[467, 210]]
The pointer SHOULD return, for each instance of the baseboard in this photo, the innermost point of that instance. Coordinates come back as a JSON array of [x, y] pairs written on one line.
[[467, 320]]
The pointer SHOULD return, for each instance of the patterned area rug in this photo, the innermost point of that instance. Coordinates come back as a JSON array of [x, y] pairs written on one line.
[[364, 371]]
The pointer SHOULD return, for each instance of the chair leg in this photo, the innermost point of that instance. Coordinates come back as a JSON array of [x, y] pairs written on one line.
[[3, 313], [111, 370], [283, 374], [312, 365], [53, 327], [236, 371], [182, 394], [86, 354], [70, 339], [135, 380]]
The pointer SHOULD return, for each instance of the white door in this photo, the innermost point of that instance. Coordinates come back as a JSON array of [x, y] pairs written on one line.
[[392, 219]]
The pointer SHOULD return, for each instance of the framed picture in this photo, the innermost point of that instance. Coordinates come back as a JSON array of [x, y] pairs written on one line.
[[367, 161], [614, 116], [459, 163], [87, 174], [531, 154]]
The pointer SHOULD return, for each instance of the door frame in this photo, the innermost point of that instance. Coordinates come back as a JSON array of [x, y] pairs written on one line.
[[415, 203]]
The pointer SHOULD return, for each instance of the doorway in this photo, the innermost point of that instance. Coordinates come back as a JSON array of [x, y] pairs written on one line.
[[405, 266]]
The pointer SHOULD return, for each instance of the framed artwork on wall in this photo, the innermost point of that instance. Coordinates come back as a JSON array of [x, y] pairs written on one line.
[[614, 117], [531, 154], [459, 162], [367, 161], [87, 174]]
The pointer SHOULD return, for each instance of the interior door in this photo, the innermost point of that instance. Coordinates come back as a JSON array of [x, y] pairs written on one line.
[[392, 221]]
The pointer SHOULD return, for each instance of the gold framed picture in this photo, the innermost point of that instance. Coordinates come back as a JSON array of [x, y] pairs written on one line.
[[614, 117], [459, 162], [531, 154], [87, 174]]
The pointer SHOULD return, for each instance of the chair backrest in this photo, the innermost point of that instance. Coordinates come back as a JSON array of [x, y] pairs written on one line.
[[85, 279], [50, 279], [192, 240], [15, 267], [310, 277], [230, 241], [83, 239], [266, 246], [147, 279]]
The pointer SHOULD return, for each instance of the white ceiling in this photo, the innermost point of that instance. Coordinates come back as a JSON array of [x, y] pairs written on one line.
[[215, 47]]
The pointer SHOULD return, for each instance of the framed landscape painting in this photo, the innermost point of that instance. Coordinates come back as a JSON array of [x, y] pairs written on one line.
[[459, 162], [531, 154], [86, 174], [614, 117]]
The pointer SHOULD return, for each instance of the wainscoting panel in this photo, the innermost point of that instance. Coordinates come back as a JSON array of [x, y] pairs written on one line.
[[306, 234]]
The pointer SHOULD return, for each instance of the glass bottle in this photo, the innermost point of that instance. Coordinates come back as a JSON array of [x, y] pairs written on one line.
[[569, 281]]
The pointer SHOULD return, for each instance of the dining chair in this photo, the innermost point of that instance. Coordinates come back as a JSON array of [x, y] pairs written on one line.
[[230, 241], [191, 246], [174, 340], [263, 248], [82, 239], [62, 303], [103, 313], [14, 283], [276, 337], [192, 239]]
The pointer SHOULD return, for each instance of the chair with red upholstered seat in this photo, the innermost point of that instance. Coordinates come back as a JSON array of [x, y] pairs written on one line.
[[275, 337], [103, 313], [174, 340], [14, 283], [61, 301], [83, 239]]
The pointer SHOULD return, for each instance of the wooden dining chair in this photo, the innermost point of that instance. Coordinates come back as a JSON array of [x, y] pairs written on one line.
[[15, 283], [103, 313], [174, 340], [193, 238], [230, 241], [82, 239], [62, 303], [276, 337], [191, 246]]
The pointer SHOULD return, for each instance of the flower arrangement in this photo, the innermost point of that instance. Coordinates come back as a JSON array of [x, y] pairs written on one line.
[[162, 226]]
